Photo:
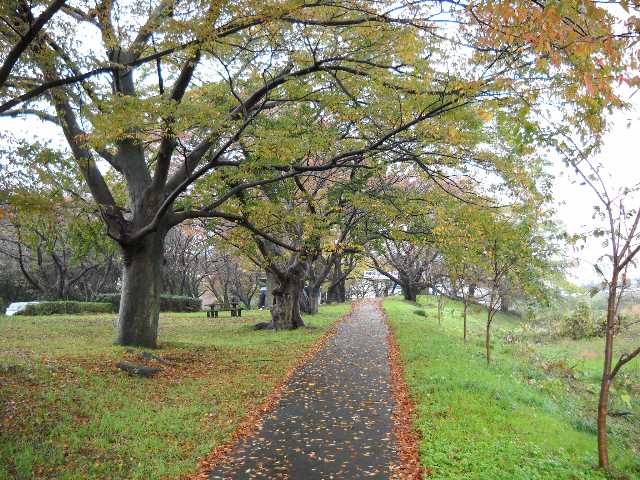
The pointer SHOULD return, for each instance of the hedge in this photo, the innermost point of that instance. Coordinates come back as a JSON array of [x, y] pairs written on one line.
[[178, 303], [168, 303], [66, 307]]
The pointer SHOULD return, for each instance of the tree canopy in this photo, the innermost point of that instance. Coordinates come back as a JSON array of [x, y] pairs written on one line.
[[176, 110]]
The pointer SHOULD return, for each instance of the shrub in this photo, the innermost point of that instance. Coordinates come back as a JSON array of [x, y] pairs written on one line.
[[580, 323], [66, 307], [178, 303], [601, 324], [112, 298], [168, 303]]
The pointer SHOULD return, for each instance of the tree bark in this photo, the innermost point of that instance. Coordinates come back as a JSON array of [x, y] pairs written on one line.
[[312, 301], [337, 292], [410, 293], [140, 297], [285, 312], [271, 282], [603, 401], [487, 338]]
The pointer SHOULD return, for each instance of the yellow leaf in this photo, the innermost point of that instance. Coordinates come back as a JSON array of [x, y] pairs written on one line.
[[485, 116]]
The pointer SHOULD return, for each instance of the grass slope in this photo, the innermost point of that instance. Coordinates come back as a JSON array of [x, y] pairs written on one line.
[[523, 417], [67, 412]]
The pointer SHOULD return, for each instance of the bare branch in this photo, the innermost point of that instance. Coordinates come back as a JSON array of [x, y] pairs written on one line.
[[623, 360]]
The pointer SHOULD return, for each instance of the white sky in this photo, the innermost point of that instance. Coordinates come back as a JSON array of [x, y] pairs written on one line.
[[574, 202]]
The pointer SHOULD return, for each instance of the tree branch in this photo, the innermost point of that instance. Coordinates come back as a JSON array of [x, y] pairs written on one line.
[[156, 17], [624, 359], [31, 111], [26, 39], [168, 143]]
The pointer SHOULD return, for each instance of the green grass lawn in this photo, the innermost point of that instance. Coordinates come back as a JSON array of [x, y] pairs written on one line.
[[530, 415], [67, 412]]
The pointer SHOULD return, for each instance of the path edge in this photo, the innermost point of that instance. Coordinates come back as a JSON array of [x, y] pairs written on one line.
[[252, 422], [405, 435]]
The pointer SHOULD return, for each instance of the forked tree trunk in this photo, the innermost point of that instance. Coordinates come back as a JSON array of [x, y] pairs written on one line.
[[285, 312], [140, 295], [603, 401]]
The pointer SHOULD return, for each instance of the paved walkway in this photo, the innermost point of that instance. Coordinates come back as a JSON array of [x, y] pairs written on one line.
[[334, 418]]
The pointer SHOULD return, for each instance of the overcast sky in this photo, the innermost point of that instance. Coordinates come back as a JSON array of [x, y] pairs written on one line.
[[574, 202]]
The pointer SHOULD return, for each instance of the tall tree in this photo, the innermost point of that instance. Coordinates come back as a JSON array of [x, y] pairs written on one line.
[[51, 233], [58, 262], [407, 264], [618, 225], [513, 249], [306, 223], [19, 36], [343, 266]]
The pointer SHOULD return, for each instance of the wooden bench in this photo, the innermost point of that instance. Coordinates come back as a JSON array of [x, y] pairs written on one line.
[[233, 307]]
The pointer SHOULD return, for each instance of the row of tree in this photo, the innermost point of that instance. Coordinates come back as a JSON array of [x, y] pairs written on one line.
[[301, 133], [47, 257], [197, 110]]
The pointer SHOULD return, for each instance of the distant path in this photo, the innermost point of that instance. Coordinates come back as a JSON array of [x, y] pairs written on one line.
[[333, 420]]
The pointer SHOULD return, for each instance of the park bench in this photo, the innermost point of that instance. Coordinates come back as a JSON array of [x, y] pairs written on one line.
[[233, 307]]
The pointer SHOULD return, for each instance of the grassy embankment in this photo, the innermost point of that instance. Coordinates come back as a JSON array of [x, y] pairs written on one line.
[[530, 415], [67, 412]]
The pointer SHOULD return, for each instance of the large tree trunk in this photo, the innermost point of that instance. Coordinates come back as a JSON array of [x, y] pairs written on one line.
[[410, 292], [271, 283], [337, 292], [603, 401], [311, 300], [285, 312], [140, 296]]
